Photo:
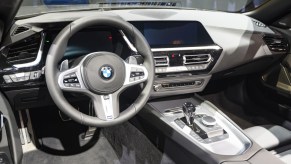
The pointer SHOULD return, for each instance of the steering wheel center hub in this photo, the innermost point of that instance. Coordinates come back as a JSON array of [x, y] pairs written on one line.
[[103, 72]]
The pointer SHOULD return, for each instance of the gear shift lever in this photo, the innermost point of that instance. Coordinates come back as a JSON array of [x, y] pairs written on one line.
[[189, 112]]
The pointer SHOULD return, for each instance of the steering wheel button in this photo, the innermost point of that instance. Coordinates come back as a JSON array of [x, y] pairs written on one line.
[[106, 97], [136, 78], [131, 79], [78, 85], [73, 75], [132, 74], [71, 80], [67, 85], [133, 69], [67, 76]]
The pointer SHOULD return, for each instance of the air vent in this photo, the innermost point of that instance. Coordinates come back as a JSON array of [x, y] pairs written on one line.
[[196, 59], [24, 51], [20, 29], [140, 3], [276, 44], [161, 61]]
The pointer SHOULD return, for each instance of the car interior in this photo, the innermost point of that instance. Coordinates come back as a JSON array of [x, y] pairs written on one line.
[[145, 81]]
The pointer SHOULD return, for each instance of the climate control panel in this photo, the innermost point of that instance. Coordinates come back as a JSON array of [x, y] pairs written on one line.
[[175, 85]]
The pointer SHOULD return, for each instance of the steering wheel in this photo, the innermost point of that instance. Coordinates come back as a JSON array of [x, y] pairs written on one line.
[[102, 76]]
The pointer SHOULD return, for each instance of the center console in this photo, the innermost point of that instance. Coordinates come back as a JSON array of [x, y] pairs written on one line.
[[204, 125], [183, 69], [184, 53], [196, 131]]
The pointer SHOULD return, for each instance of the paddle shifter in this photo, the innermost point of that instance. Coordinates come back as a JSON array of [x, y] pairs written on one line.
[[189, 112]]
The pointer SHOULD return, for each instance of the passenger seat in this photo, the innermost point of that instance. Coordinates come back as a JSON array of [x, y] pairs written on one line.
[[274, 138]]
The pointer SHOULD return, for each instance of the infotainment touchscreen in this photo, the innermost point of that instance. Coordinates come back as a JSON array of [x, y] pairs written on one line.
[[164, 34]]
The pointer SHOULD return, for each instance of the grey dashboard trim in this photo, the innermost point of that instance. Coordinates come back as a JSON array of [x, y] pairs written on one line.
[[214, 47], [38, 57]]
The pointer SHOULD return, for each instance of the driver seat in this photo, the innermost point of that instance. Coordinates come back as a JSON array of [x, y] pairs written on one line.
[[274, 138]]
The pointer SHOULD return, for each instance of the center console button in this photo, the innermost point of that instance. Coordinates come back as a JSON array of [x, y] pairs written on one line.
[[157, 87], [35, 75], [208, 121]]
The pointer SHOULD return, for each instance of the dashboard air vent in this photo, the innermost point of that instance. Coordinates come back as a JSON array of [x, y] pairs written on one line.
[[24, 51], [140, 3], [276, 44], [161, 61], [196, 59], [20, 29]]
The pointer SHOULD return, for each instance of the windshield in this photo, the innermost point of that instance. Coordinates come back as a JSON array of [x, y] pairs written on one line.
[[32, 7]]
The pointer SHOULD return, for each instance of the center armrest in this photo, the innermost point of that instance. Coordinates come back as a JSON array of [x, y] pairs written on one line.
[[269, 136]]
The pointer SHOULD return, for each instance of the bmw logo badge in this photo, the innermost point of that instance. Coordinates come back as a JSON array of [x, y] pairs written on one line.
[[106, 72]]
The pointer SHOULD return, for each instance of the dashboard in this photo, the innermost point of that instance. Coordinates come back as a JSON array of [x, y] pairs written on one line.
[[190, 48]]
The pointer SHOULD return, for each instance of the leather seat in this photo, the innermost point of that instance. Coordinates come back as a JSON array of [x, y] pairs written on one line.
[[274, 138]]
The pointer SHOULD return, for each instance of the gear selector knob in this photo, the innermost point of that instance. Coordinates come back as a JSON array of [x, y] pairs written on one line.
[[189, 112]]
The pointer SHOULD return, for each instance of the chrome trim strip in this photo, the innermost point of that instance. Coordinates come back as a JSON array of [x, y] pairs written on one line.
[[213, 47], [184, 68], [38, 57], [130, 45], [127, 41]]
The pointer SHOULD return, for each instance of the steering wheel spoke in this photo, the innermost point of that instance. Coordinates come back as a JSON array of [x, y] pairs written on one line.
[[71, 80], [135, 74], [106, 106]]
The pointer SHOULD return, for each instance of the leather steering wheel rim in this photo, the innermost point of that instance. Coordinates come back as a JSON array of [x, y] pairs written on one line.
[[57, 51]]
